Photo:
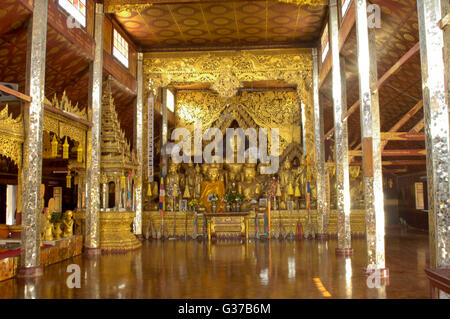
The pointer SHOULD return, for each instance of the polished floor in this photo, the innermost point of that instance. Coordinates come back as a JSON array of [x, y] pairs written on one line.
[[231, 269]]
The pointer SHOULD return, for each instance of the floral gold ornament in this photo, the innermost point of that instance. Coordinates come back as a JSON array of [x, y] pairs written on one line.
[[69, 180], [54, 146], [65, 149], [79, 153], [11, 136], [122, 180]]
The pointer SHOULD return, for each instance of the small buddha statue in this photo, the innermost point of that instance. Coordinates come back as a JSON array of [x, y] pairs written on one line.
[[233, 176], [356, 186], [57, 231], [174, 181], [249, 187], [189, 177], [286, 178], [331, 168], [67, 224], [48, 233], [198, 180]]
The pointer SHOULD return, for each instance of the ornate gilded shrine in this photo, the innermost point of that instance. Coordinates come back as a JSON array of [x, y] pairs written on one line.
[[118, 183]]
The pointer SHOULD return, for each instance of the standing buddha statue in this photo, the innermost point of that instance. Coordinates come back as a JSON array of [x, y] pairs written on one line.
[[286, 182], [174, 182]]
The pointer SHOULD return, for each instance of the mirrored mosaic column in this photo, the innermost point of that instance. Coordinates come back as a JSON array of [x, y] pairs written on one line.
[[139, 143], [340, 137], [32, 155], [92, 241], [322, 204], [436, 116], [371, 143], [165, 130]]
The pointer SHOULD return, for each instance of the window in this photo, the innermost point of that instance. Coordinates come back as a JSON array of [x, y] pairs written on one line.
[[170, 101], [325, 43], [420, 204], [76, 8], [345, 4], [120, 48]]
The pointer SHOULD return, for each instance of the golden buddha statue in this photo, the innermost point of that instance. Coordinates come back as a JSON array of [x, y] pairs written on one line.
[[249, 187], [48, 233], [301, 177], [198, 180], [233, 176], [331, 167], [189, 177], [67, 224], [174, 182], [286, 180], [213, 185], [57, 231], [356, 187]]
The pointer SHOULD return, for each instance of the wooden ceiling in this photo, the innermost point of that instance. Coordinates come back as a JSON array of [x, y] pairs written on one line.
[[403, 90], [223, 24]]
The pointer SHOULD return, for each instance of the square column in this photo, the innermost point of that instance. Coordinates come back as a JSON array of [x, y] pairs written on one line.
[[436, 118], [371, 143], [322, 204], [340, 137], [137, 226], [32, 156], [92, 242]]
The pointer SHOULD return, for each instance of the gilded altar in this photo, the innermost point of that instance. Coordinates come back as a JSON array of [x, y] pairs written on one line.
[[227, 225]]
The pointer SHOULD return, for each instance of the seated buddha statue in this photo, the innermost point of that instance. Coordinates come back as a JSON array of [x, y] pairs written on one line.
[[249, 187], [286, 179], [213, 185], [233, 176]]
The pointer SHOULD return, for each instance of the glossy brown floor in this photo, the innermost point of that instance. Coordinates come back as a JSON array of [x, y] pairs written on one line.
[[275, 269]]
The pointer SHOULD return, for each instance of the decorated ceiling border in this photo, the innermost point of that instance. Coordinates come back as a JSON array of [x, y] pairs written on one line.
[[117, 6]]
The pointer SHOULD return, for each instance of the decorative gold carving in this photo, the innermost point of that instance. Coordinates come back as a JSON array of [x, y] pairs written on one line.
[[293, 66], [11, 136], [226, 84], [306, 2], [66, 106]]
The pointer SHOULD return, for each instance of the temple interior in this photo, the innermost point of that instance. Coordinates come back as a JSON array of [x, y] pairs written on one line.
[[225, 149]]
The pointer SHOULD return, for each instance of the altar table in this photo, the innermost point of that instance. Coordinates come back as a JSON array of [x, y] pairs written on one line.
[[227, 224]]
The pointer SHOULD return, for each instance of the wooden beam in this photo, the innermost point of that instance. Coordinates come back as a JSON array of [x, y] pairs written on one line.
[[405, 58], [403, 136], [12, 92], [344, 32], [409, 152], [397, 163], [418, 127]]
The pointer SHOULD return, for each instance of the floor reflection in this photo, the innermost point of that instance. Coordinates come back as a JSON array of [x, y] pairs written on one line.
[[234, 269]]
